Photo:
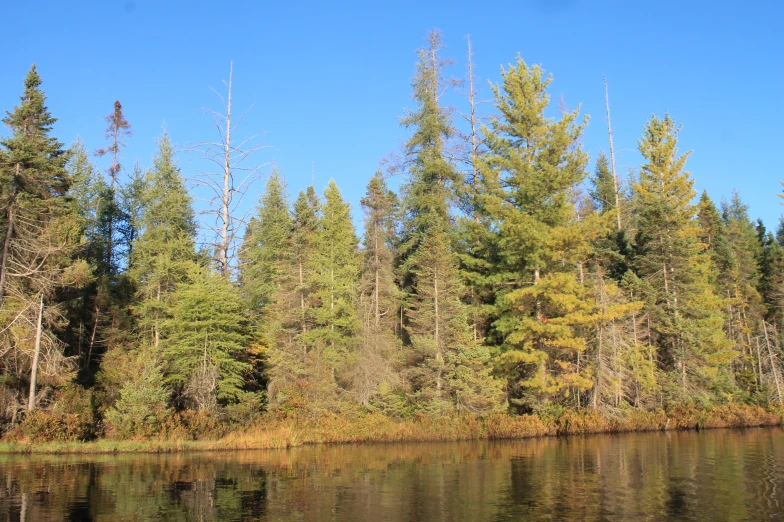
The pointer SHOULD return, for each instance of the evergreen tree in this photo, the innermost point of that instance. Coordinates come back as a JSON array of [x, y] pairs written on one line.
[[379, 301], [540, 303], [131, 203], [165, 246], [449, 367], [205, 339], [289, 316], [266, 236], [335, 279], [40, 233], [118, 129], [686, 319], [602, 189]]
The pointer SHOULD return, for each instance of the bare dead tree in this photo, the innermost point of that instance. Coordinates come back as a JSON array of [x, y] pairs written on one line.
[[612, 157], [230, 179]]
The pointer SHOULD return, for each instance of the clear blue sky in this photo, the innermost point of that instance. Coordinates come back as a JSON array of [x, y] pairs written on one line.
[[331, 79]]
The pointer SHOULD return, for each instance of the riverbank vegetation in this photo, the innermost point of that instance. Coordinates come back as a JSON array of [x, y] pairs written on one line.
[[513, 287]]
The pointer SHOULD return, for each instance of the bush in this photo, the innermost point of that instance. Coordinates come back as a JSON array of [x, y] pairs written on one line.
[[505, 426], [75, 405], [42, 426], [142, 407]]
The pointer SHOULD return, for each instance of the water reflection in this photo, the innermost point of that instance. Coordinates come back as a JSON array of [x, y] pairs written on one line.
[[715, 475]]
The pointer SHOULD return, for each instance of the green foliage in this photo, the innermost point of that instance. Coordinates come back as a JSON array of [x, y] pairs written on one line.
[[526, 289], [208, 329], [265, 239], [686, 315], [527, 177], [335, 275], [164, 250], [143, 403], [450, 369]]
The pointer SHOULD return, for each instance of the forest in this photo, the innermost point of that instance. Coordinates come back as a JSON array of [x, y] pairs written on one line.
[[512, 276]]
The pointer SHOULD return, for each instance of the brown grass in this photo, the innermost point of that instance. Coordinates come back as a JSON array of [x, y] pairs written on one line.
[[332, 428]]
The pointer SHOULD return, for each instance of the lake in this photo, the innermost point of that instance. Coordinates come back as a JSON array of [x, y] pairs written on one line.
[[711, 475]]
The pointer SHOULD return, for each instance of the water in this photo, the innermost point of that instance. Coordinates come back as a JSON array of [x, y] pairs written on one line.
[[714, 475]]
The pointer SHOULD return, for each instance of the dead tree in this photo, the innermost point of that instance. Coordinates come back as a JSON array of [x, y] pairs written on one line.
[[229, 179], [616, 188]]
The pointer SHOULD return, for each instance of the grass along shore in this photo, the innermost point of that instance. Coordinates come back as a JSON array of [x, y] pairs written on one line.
[[331, 429]]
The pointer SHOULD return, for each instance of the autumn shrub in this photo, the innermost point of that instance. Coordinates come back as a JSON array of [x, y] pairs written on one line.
[[740, 415], [633, 419], [43, 426], [76, 406], [505, 426]]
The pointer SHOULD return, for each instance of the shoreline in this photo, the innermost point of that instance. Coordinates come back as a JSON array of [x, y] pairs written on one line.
[[376, 428]]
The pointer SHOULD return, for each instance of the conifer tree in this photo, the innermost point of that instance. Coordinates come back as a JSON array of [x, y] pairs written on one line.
[[40, 233], [165, 247], [289, 317], [118, 129], [540, 303], [685, 313], [335, 279], [91, 196], [205, 339], [449, 369], [603, 187], [379, 301], [266, 237]]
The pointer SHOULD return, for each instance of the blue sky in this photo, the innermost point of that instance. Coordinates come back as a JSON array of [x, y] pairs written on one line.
[[330, 81]]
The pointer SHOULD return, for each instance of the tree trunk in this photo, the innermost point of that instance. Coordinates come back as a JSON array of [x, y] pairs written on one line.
[[773, 365], [226, 199], [36, 356], [612, 158], [6, 250]]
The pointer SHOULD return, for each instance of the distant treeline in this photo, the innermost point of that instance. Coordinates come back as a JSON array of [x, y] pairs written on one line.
[[504, 277]]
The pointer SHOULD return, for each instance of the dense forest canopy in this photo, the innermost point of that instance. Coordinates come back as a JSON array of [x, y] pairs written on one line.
[[511, 273]]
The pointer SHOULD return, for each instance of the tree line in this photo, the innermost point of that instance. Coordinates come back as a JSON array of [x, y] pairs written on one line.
[[504, 276]]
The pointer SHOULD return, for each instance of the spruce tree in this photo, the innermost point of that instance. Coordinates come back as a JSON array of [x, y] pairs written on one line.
[[335, 280], [205, 338], [118, 129], [165, 246], [449, 369], [289, 316], [602, 189], [686, 314], [265, 238], [41, 229], [376, 369]]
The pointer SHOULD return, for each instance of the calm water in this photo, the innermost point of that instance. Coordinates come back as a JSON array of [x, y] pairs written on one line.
[[714, 475]]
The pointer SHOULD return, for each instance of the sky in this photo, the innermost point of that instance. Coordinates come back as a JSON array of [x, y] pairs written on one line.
[[329, 81]]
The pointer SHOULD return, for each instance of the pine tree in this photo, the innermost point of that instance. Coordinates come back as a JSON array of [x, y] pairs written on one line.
[[205, 339], [40, 235], [685, 313], [379, 301], [335, 281], [541, 304], [267, 235], [449, 369], [165, 246]]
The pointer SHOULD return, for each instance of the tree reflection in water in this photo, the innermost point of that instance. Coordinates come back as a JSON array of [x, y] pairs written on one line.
[[714, 475]]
